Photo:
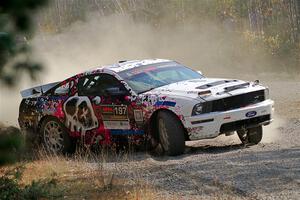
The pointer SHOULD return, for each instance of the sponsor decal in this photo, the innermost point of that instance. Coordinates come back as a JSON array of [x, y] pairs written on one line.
[[79, 114], [138, 115], [264, 111], [165, 103], [127, 132], [107, 110], [142, 70], [251, 114], [111, 113], [97, 100], [116, 124]]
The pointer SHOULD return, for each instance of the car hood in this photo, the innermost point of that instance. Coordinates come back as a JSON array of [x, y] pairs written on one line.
[[206, 88]]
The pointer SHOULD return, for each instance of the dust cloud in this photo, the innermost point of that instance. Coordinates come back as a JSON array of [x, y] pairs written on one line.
[[208, 47], [272, 133]]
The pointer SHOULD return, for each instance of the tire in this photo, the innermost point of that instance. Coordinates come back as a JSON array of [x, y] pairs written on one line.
[[56, 138], [171, 134], [251, 135]]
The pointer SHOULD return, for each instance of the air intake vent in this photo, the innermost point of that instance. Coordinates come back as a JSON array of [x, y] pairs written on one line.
[[206, 86]]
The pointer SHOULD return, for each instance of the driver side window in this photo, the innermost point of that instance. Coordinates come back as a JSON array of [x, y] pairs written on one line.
[[63, 89], [98, 85]]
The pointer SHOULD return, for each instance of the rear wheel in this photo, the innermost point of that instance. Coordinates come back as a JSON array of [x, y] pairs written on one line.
[[251, 135], [56, 137], [171, 134]]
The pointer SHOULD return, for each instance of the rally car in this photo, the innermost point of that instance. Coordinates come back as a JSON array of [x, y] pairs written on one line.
[[154, 100]]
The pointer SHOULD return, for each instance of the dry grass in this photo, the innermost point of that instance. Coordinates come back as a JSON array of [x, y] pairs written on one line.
[[82, 176], [85, 175]]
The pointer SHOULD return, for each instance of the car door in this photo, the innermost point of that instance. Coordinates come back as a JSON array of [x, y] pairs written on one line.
[[108, 100]]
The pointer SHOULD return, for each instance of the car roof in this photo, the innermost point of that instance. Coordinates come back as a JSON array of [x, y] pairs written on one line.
[[125, 65]]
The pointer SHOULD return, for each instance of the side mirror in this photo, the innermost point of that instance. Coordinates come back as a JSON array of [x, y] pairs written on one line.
[[199, 72], [115, 91]]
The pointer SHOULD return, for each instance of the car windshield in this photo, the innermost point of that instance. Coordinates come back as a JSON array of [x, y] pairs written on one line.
[[144, 78]]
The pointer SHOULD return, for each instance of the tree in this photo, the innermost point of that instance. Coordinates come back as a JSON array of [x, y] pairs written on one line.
[[16, 28]]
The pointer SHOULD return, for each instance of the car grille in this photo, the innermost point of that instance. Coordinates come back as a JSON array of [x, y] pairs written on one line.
[[234, 102]]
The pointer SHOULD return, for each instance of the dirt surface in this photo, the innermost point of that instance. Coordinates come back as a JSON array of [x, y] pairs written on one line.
[[219, 168], [222, 167]]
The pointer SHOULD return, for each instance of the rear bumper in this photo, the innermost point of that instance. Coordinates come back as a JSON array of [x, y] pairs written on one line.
[[212, 124]]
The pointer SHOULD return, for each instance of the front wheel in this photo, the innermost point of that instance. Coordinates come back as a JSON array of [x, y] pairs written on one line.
[[251, 135], [56, 137], [171, 134]]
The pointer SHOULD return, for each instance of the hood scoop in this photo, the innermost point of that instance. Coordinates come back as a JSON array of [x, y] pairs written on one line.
[[229, 89], [206, 86]]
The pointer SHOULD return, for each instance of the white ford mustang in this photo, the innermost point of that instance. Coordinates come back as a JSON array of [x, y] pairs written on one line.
[[160, 100]]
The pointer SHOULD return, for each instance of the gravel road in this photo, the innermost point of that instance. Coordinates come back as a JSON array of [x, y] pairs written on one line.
[[222, 168]]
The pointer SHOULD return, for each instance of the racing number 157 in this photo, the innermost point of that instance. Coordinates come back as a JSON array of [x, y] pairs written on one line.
[[120, 110]]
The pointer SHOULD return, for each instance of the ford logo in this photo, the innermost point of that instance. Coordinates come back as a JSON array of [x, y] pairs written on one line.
[[251, 114]]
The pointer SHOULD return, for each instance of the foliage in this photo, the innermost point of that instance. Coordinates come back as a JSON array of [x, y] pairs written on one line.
[[270, 43], [11, 144], [41, 189], [10, 188], [15, 30], [271, 24]]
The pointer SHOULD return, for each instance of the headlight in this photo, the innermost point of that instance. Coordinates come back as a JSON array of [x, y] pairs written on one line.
[[267, 96], [198, 108]]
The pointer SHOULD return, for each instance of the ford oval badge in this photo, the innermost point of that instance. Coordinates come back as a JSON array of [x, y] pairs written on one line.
[[251, 114]]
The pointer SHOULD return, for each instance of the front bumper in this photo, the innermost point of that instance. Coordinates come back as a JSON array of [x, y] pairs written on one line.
[[212, 124]]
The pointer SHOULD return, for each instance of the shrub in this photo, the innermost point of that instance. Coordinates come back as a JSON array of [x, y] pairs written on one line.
[[10, 188], [11, 144]]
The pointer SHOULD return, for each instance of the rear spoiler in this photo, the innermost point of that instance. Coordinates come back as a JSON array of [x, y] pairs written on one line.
[[38, 90]]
